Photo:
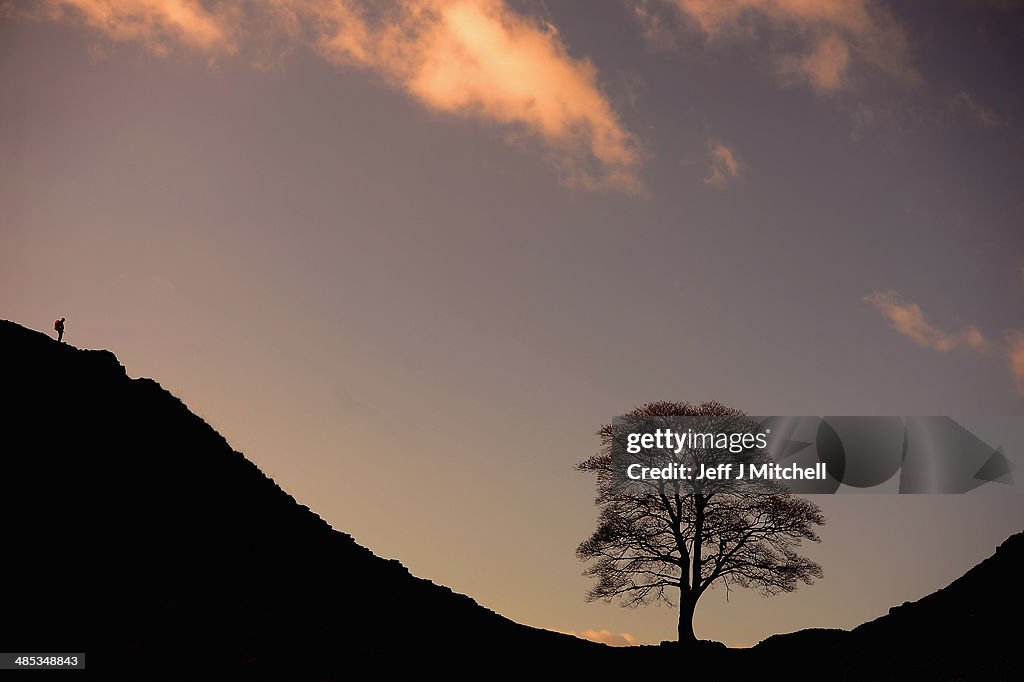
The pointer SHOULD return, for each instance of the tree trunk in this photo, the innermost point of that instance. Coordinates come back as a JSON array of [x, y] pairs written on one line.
[[686, 608]]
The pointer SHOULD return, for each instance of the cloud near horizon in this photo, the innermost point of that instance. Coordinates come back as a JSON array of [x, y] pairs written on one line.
[[907, 319], [813, 42], [606, 637], [470, 58]]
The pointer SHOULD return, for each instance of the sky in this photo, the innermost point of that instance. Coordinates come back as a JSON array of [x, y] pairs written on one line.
[[409, 256]]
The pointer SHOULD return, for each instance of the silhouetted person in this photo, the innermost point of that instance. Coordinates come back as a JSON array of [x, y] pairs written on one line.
[[58, 327]]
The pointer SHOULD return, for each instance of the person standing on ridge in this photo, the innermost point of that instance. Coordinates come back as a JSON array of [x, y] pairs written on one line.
[[58, 327]]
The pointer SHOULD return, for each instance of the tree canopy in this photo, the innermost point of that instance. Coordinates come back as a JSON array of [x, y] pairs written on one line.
[[679, 538]]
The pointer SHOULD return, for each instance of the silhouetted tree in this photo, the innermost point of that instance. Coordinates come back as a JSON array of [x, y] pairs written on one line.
[[689, 536]]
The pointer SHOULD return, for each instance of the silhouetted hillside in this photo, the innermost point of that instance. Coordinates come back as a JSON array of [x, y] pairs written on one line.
[[134, 532], [965, 631], [132, 529]]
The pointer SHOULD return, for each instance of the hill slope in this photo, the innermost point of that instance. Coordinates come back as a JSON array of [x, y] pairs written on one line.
[[964, 631], [132, 520]]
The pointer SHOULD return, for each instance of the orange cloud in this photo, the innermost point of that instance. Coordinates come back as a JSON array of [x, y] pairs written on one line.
[[907, 319], [479, 58], [1015, 356], [473, 58], [606, 637], [724, 164], [155, 23], [832, 33]]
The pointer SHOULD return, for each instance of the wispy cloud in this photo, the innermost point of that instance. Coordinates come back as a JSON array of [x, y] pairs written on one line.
[[824, 67], [813, 42], [907, 319], [606, 637], [724, 164], [477, 59], [1014, 339], [982, 115], [157, 24]]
